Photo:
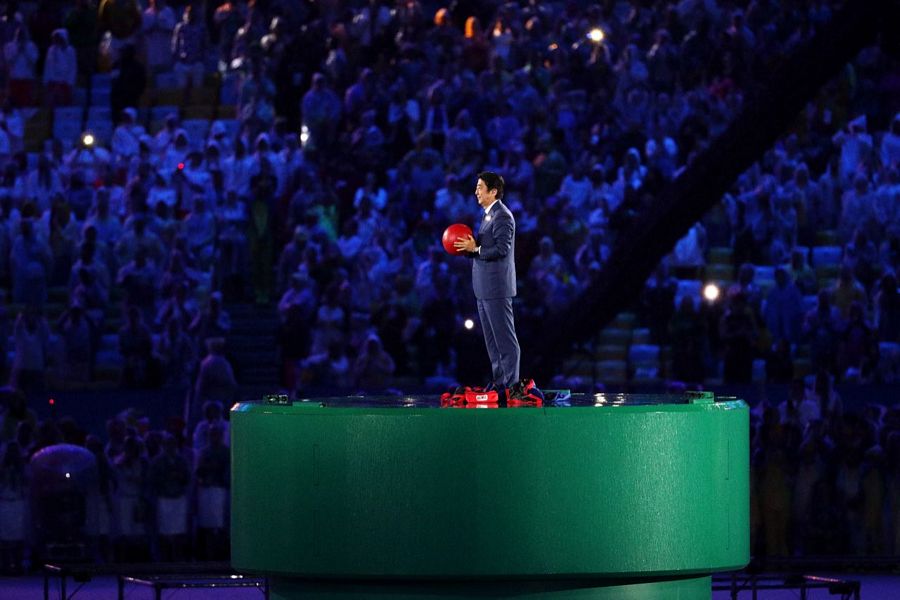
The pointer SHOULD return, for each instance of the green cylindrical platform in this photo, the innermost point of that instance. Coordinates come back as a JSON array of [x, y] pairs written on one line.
[[619, 497]]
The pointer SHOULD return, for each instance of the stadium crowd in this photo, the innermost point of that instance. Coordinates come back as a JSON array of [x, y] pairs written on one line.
[[151, 494], [347, 136]]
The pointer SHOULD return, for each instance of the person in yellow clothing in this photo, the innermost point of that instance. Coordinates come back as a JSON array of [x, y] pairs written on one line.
[[846, 291]]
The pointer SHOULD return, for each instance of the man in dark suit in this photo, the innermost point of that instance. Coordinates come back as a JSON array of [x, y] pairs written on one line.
[[494, 279]]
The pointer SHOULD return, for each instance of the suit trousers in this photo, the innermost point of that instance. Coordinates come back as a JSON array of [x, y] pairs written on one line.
[[498, 325]]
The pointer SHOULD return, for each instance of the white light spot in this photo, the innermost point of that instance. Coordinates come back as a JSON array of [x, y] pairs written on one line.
[[711, 292]]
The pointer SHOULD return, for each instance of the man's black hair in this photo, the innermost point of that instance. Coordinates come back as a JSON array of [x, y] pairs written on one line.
[[493, 182]]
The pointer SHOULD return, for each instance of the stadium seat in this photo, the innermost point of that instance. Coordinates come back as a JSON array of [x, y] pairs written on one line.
[[57, 293], [687, 271], [226, 111], [168, 96], [611, 352], [827, 283], [579, 365], [38, 114], [101, 81], [828, 271], [100, 97], [646, 374], [719, 255], [79, 96], [643, 353], [809, 302], [827, 237], [691, 287], [203, 111], [197, 129], [612, 371], [667, 368], [67, 132], [161, 111], [102, 129], [100, 113], [640, 336], [204, 96], [167, 80], [764, 278], [644, 361], [68, 113], [758, 370], [826, 255], [888, 347], [625, 320], [718, 272], [228, 90], [52, 310], [802, 367], [763, 273], [112, 324], [37, 130], [105, 372], [615, 336], [889, 359]]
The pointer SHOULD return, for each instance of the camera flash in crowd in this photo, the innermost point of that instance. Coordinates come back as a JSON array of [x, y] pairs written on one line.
[[88, 139], [469, 324], [304, 134], [596, 35], [711, 292]]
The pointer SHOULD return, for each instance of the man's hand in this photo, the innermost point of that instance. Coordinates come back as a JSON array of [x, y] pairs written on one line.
[[467, 244]]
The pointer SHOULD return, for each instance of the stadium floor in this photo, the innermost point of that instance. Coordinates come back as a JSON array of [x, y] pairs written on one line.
[[874, 587]]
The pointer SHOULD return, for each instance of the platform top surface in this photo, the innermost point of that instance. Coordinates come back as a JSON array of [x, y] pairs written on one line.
[[553, 398]]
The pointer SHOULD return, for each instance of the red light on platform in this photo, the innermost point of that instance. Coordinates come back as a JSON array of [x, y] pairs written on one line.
[[51, 401]]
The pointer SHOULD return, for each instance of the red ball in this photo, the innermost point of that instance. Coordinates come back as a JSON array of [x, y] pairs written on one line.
[[451, 234]]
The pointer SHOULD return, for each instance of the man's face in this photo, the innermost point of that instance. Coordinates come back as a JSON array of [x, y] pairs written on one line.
[[485, 196]]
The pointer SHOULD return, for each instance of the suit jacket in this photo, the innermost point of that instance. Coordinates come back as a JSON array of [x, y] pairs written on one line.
[[494, 269]]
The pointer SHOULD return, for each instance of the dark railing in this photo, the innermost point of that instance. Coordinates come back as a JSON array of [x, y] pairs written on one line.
[[752, 583]]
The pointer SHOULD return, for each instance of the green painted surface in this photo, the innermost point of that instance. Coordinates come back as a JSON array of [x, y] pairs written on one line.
[[696, 588], [424, 493]]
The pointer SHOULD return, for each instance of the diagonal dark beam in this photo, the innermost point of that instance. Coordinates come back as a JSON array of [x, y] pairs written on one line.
[[767, 112]]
